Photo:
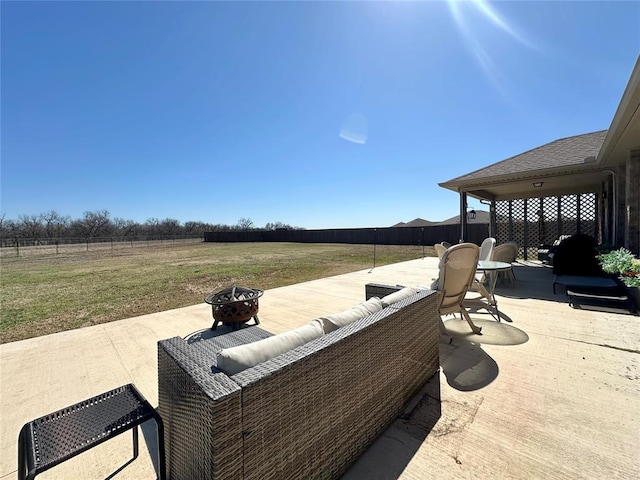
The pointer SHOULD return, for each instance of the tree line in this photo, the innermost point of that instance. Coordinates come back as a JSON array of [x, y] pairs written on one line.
[[53, 225]]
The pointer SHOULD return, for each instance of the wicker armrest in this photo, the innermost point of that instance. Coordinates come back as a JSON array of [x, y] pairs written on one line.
[[202, 414], [212, 383], [201, 406]]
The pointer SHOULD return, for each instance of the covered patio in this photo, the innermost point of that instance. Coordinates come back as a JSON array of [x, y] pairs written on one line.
[[549, 392], [581, 184]]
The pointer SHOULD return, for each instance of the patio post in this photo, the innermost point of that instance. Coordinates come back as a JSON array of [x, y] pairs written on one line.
[[463, 217]]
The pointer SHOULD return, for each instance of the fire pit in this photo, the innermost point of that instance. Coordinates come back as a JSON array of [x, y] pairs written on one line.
[[234, 306]]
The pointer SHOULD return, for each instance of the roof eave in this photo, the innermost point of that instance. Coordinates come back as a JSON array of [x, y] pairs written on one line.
[[475, 184], [627, 108]]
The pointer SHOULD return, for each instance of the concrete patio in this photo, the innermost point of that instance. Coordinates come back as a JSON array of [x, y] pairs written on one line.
[[552, 393]]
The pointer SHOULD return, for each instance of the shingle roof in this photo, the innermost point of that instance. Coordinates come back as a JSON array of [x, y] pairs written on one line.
[[566, 152], [416, 222]]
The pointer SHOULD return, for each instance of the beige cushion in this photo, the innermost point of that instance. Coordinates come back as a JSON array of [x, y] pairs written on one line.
[[337, 320], [236, 359], [399, 295]]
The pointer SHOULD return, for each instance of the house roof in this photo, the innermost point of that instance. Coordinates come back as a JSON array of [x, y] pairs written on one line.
[[566, 152], [567, 165], [481, 217], [416, 222]]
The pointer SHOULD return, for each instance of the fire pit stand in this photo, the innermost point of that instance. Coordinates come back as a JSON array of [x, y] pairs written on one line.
[[234, 306]]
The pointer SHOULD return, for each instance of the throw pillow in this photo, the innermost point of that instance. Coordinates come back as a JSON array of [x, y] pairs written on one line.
[[236, 359], [399, 295], [364, 309]]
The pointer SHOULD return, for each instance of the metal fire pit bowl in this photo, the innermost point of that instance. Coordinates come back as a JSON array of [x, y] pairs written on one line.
[[234, 306]]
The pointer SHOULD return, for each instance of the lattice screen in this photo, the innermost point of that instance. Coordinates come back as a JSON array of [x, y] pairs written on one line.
[[536, 221]]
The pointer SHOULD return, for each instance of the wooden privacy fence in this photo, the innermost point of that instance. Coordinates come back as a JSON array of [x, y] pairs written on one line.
[[430, 235]]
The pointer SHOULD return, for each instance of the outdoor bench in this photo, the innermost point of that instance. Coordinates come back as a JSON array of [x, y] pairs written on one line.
[[307, 413]]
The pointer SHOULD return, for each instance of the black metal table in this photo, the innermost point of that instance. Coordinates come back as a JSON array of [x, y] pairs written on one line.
[[50, 440]]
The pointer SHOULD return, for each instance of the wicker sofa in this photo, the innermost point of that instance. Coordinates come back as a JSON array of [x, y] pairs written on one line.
[[308, 413]]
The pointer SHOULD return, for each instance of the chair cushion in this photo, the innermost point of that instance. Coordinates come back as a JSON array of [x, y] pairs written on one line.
[[337, 320], [236, 359], [399, 295]]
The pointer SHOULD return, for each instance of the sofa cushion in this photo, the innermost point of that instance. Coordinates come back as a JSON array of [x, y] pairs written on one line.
[[399, 295], [236, 359], [334, 321]]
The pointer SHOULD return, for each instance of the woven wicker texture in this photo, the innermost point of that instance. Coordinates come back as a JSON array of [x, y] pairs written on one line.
[[54, 438], [201, 409], [318, 412], [308, 413]]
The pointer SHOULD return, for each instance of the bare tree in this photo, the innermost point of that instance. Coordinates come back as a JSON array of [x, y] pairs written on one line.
[[279, 226], [31, 226], [125, 228], [196, 228], [11, 229], [8, 228], [152, 226], [93, 224], [170, 227], [245, 223], [54, 224]]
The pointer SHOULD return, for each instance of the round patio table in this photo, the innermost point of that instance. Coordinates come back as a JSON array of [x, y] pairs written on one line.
[[492, 268]]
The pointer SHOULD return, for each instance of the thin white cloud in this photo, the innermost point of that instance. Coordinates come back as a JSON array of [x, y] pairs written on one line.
[[355, 129]]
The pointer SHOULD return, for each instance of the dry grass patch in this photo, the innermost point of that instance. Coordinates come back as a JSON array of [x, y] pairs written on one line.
[[47, 294]]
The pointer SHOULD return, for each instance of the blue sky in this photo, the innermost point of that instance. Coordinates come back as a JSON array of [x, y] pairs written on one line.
[[314, 114]]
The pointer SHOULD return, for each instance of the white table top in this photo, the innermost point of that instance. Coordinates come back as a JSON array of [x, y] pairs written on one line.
[[487, 265]]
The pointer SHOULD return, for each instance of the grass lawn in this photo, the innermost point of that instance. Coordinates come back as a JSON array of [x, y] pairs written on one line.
[[54, 293]]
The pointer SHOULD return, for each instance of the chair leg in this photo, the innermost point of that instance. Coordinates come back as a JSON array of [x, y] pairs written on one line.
[[444, 335], [443, 329], [135, 442], [162, 459], [22, 456], [485, 293], [477, 330]]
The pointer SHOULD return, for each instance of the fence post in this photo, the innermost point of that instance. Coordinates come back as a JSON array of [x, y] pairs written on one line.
[[17, 247]]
